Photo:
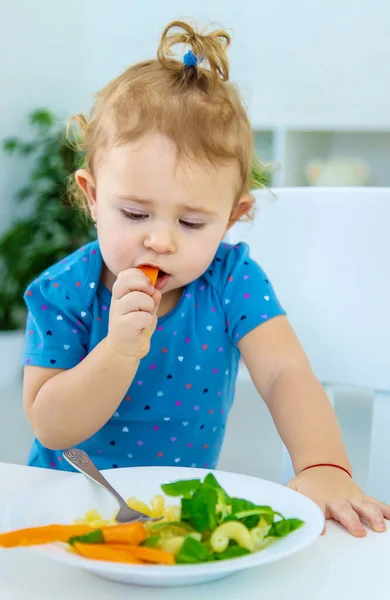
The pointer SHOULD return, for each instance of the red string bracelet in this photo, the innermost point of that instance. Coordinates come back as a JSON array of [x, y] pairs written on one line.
[[328, 465]]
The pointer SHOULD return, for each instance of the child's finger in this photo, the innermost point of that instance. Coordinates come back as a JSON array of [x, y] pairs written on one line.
[[130, 281], [383, 506], [133, 302], [370, 512], [343, 512], [157, 299]]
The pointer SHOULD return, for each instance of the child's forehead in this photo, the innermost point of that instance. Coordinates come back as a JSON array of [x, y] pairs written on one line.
[[153, 161]]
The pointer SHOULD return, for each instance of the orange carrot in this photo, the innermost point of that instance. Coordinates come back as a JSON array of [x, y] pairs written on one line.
[[128, 533], [152, 555], [106, 552], [124, 553], [35, 536], [151, 272]]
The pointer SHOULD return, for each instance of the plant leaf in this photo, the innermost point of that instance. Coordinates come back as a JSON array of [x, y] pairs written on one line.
[[11, 145]]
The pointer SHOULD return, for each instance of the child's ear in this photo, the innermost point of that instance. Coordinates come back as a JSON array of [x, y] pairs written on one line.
[[241, 208], [86, 182]]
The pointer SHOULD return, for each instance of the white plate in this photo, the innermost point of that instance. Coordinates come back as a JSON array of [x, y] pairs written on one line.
[[64, 500]]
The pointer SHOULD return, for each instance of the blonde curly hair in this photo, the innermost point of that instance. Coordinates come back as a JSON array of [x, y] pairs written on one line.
[[194, 104]]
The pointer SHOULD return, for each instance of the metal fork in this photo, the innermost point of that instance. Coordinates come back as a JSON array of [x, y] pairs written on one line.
[[81, 461]]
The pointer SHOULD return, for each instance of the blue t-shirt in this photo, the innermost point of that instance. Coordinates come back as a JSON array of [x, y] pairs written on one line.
[[176, 408]]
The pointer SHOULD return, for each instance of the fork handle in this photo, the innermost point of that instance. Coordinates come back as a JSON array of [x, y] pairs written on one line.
[[82, 463]]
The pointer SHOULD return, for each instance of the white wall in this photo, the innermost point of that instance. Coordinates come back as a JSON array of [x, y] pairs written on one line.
[[40, 62], [299, 63]]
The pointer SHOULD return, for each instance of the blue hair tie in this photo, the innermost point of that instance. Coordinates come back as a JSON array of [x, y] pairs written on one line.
[[190, 59]]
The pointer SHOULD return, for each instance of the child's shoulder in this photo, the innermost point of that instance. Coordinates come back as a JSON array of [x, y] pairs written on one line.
[[229, 261], [75, 276]]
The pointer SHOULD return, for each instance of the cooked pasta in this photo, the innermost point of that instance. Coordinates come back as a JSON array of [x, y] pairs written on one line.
[[157, 509]]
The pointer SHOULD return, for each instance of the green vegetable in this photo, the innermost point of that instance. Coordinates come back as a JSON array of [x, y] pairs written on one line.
[[284, 527], [200, 510], [250, 513], [231, 552], [239, 505], [181, 488], [173, 524], [207, 509], [224, 501], [151, 541], [95, 537], [192, 551]]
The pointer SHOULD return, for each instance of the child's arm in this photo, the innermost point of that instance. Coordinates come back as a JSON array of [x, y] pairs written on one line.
[[66, 407], [299, 406], [308, 426]]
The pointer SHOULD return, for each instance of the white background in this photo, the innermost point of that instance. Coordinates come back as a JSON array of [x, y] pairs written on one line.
[[301, 63]]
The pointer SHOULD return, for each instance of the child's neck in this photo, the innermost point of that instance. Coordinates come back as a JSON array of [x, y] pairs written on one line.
[[169, 301]]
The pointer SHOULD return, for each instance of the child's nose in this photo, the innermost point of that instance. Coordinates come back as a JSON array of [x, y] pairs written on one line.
[[161, 240]]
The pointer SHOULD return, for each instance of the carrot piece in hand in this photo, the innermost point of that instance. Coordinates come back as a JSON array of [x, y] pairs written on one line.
[[35, 536], [151, 272], [124, 553]]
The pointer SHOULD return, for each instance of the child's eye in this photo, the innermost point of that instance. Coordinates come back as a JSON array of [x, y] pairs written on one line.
[[134, 216], [190, 225]]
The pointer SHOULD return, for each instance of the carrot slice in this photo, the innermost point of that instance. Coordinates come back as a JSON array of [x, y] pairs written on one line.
[[128, 533], [125, 553], [152, 555], [106, 552], [151, 272], [35, 536]]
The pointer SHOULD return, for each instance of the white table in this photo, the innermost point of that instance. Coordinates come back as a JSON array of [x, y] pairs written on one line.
[[336, 566]]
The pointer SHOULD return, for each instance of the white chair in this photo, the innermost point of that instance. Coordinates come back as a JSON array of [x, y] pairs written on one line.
[[327, 253]]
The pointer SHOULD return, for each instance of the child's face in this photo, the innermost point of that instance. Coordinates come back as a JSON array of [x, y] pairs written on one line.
[[151, 208]]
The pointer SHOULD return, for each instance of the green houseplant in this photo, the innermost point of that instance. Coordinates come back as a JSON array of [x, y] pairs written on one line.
[[52, 227]]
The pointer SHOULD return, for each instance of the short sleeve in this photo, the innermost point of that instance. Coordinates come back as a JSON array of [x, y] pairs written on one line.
[[247, 295], [58, 325]]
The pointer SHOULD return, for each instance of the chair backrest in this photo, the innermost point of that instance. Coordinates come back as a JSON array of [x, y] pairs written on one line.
[[327, 253]]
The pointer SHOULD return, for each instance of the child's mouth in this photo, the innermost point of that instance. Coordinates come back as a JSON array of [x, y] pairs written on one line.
[[162, 280]]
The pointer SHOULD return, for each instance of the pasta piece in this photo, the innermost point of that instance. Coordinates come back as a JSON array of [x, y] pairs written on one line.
[[93, 515], [158, 505], [136, 504], [232, 530], [172, 544], [172, 513], [99, 523]]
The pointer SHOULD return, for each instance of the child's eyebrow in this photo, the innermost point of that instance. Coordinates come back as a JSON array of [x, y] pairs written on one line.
[[187, 207]]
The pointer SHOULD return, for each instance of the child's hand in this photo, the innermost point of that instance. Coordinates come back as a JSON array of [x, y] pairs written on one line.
[[341, 499], [133, 313]]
